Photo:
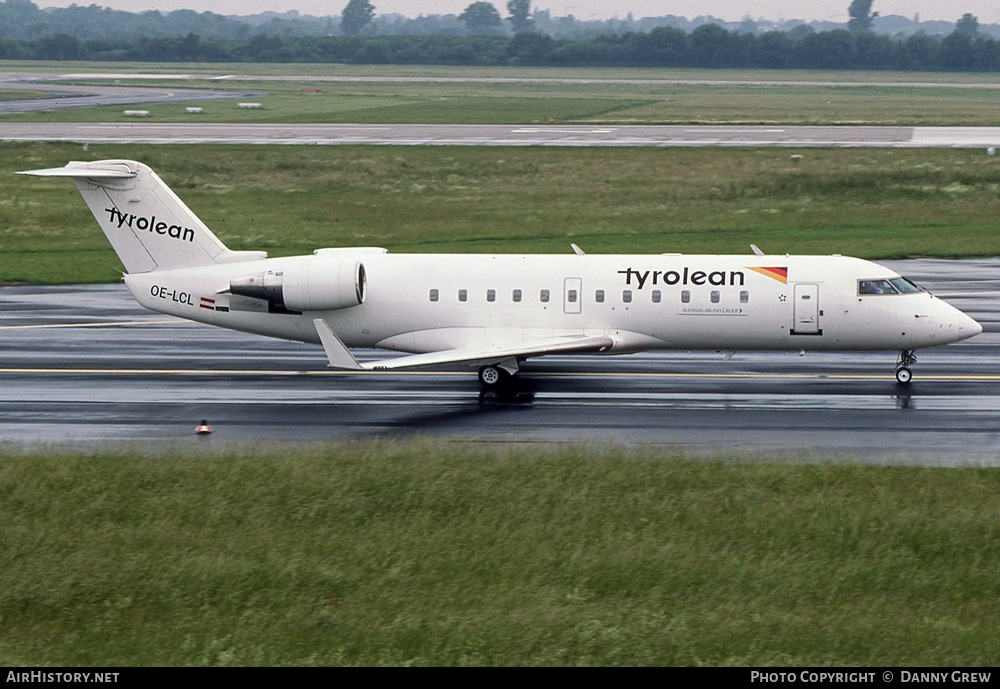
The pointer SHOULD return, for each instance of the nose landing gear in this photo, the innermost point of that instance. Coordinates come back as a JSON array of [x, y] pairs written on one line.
[[903, 373]]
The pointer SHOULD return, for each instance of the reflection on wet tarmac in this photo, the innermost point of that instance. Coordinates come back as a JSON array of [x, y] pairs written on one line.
[[84, 363]]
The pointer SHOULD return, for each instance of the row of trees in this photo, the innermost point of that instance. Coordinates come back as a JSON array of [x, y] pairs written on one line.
[[706, 46], [479, 18], [23, 20], [94, 33]]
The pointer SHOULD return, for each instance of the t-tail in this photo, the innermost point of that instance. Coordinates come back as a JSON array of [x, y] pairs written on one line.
[[148, 225]]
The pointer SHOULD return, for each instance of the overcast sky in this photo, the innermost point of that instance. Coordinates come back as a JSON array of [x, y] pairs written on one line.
[[988, 11]]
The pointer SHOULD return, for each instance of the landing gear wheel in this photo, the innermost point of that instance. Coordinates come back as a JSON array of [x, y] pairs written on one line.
[[906, 359], [491, 377]]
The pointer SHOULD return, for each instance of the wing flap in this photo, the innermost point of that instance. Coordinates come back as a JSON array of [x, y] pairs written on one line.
[[340, 357], [496, 354]]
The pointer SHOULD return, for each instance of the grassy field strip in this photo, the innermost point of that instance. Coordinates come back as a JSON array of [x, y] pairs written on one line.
[[578, 103], [401, 94], [871, 203], [437, 553]]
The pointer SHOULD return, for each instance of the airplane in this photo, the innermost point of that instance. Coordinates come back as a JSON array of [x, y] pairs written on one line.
[[492, 312]]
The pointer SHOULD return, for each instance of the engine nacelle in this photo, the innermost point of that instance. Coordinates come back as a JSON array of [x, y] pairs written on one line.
[[317, 284]]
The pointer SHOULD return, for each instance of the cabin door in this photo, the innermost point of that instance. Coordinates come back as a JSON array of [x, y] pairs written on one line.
[[572, 295], [806, 309]]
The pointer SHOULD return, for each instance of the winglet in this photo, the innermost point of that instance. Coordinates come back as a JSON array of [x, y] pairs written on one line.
[[336, 352]]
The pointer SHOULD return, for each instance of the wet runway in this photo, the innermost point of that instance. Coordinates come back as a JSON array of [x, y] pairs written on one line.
[[84, 363], [501, 135]]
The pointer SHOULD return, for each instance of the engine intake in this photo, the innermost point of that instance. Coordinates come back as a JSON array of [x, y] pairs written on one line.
[[318, 284]]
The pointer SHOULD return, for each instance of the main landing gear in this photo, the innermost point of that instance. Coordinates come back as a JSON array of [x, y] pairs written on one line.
[[499, 375], [903, 373], [492, 377]]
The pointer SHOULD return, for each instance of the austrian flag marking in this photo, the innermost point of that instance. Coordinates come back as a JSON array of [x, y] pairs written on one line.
[[779, 274], [209, 304]]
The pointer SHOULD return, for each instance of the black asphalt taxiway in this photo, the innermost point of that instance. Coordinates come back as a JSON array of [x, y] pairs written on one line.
[[48, 96], [86, 364]]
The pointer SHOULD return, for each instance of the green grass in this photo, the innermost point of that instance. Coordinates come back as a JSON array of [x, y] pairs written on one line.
[[541, 103], [19, 95], [723, 96], [872, 203], [433, 553]]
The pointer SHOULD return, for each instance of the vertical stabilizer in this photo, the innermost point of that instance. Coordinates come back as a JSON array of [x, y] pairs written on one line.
[[149, 227]]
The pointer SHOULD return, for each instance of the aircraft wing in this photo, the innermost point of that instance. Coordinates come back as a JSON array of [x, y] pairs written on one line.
[[341, 357]]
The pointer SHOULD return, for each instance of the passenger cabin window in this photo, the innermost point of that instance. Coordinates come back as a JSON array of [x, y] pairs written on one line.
[[434, 295], [463, 295], [544, 296], [627, 296], [491, 295], [517, 295], [599, 296], [657, 296], [715, 296], [685, 296], [744, 297]]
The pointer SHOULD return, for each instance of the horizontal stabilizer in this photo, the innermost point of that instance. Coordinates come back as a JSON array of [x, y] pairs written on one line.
[[84, 171]]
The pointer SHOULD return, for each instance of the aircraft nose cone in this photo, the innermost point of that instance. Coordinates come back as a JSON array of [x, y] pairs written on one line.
[[974, 327], [962, 326]]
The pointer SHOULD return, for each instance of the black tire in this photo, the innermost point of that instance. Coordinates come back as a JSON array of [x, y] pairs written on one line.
[[903, 376], [492, 377]]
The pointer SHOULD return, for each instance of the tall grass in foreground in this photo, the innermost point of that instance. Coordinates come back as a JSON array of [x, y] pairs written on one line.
[[441, 553]]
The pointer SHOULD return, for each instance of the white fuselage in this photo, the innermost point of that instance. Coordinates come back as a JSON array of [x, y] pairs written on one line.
[[496, 311], [433, 302]]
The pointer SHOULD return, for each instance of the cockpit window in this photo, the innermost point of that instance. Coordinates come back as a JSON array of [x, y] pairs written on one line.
[[876, 287], [890, 286], [905, 286]]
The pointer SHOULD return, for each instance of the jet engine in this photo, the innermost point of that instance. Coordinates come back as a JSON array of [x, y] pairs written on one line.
[[313, 285]]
